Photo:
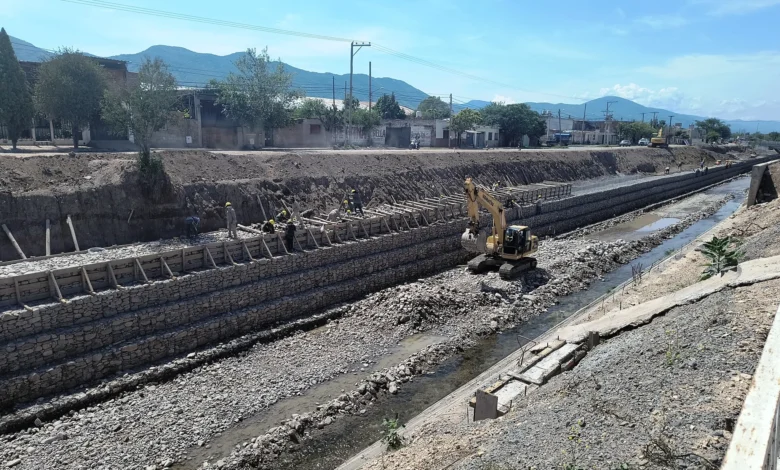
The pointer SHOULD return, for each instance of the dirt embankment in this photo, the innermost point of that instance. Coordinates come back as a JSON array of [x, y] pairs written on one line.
[[102, 195]]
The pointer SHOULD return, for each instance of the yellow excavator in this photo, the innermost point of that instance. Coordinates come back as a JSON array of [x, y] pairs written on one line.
[[506, 247], [659, 140]]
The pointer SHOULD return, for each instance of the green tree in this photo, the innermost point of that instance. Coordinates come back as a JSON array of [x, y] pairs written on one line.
[[712, 136], [466, 119], [70, 87], [144, 108], [333, 119], [16, 104], [433, 107], [514, 121], [365, 119], [258, 95], [310, 109], [774, 136], [389, 108], [714, 125], [351, 103], [634, 131]]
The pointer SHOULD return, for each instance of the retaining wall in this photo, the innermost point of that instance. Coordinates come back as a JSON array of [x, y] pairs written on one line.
[[57, 346]]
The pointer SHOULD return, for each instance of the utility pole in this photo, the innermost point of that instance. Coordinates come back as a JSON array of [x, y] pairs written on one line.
[[643, 117], [655, 121], [560, 130], [369, 86], [584, 111], [449, 141], [334, 90], [352, 53], [669, 134], [608, 121]]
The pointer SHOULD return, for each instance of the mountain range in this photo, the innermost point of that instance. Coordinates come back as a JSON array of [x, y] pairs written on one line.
[[194, 69]]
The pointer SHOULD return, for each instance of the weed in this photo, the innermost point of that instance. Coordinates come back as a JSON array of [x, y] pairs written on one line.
[[151, 175], [723, 255], [636, 272], [669, 252], [390, 435], [576, 446], [672, 347]]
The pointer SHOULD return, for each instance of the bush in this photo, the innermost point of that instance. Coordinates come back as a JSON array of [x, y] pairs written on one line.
[[151, 175], [723, 254]]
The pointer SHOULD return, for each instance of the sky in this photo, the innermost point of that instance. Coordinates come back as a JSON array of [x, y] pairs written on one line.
[[706, 57]]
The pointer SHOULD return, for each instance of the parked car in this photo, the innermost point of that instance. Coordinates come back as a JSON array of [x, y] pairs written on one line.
[[625, 143], [644, 141]]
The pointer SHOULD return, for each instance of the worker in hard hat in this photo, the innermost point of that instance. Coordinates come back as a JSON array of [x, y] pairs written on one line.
[[232, 221], [333, 216], [357, 202], [269, 226], [539, 205], [282, 216]]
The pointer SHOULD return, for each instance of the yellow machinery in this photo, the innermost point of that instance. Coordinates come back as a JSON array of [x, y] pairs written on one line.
[[659, 140], [502, 246]]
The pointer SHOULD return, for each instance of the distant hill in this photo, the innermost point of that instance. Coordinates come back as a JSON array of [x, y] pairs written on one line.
[[196, 69]]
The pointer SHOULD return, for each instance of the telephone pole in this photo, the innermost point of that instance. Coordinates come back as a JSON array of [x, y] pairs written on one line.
[[643, 117], [669, 134], [449, 141], [560, 131], [334, 90], [369, 86], [352, 53], [608, 121], [584, 111], [655, 121]]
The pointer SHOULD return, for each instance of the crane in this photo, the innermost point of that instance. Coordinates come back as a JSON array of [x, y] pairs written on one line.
[[506, 247]]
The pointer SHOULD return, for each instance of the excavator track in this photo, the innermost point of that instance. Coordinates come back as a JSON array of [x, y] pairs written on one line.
[[511, 269]]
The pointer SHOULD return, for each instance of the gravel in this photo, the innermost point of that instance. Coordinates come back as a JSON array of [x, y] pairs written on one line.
[[159, 422]]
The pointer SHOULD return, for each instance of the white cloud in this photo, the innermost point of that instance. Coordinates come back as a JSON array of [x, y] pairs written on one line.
[[732, 7], [669, 97], [504, 99], [662, 21], [620, 13]]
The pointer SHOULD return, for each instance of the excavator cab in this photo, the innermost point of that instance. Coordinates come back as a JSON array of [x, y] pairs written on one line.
[[515, 240]]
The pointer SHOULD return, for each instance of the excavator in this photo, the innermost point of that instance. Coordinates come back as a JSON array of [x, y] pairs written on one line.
[[659, 140], [506, 247]]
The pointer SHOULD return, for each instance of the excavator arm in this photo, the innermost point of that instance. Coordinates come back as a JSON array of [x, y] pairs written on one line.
[[476, 197]]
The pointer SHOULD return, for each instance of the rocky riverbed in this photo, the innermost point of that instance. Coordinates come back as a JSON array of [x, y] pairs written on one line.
[[155, 425]]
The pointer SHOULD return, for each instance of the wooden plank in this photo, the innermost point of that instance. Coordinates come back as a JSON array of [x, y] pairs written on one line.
[[312, 237], [265, 245], [228, 258], [48, 237], [207, 255], [164, 266], [183, 262], [247, 252], [364, 229], [112, 278], [73, 233], [87, 284], [141, 271], [56, 288], [13, 242]]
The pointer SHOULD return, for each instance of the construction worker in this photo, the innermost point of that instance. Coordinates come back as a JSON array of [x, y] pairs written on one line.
[[232, 221], [666, 171], [539, 205], [289, 235], [193, 225], [496, 185], [679, 167], [357, 203], [333, 216], [282, 216], [269, 226], [347, 205]]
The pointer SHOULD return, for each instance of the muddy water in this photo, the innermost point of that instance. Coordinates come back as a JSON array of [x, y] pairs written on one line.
[[221, 446], [331, 446]]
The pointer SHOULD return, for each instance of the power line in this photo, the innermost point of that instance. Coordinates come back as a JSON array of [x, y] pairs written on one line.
[[233, 24]]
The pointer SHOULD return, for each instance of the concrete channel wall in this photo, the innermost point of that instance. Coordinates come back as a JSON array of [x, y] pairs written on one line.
[[53, 347]]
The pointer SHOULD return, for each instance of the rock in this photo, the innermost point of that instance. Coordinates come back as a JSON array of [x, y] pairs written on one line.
[[327, 421], [117, 428], [13, 463], [191, 355], [392, 388], [167, 463], [494, 325], [38, 422], [56, 437]]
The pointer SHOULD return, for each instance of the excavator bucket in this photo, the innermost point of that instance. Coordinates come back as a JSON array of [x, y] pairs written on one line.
[[474, 244]]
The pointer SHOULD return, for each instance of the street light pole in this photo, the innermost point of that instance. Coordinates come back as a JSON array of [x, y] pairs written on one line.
[[352, 53]]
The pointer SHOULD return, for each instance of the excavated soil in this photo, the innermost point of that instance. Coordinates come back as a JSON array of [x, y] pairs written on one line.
[[101, 192]]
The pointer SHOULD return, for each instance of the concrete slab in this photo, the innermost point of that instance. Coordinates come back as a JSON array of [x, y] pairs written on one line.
[[749, 272], [548, 366], [508, 393]]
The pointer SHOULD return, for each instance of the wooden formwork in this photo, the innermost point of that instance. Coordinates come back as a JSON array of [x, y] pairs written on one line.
[[88, 279]]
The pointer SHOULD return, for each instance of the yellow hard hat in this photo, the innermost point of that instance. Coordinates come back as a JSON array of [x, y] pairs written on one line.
[[228, 204], [540, 196], [353, 190], [272, 221], [345, 201]]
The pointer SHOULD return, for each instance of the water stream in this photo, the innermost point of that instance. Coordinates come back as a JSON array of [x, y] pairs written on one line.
[[328, 448]]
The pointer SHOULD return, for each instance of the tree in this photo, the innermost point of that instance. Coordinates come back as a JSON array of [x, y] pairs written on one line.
[[466, 119], [333, 119], [365, 119], [258, 95], [712, 136], [16, 104], [514, 121], [635, 131], [433, 107], [773, 136], [70, 87], [389, 108], [146, 107], [714, 125], [310, 109]]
